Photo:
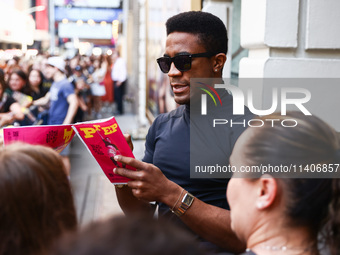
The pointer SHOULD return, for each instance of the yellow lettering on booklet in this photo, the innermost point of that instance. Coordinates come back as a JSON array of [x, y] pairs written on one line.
[[97, 127], [67, 135], [110, 129], [88, 132]]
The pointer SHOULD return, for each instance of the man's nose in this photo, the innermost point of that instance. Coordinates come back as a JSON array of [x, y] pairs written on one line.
[[173, 70]]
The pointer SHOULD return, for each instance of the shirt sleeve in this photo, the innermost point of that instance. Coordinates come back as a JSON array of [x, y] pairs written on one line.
[[150, 143], [68, 90]]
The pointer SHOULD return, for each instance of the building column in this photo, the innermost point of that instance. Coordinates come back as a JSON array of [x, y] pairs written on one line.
[[291, 39]]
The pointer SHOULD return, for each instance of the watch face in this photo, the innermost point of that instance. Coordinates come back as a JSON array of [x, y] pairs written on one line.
[[187, 199]]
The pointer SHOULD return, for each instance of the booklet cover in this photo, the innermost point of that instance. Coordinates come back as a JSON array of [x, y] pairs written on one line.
[[102, 138], [55, 136]]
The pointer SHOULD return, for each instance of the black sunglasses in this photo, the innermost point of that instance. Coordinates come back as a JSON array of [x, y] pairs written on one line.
[[182, 61]]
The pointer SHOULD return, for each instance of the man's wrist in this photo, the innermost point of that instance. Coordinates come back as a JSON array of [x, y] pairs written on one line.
[[185, 203], [178, 199]]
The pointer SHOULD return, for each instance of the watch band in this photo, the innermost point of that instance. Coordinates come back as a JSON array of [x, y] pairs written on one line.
[[185, 204]]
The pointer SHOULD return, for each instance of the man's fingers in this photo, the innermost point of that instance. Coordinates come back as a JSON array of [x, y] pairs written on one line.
[[131, 162], [135, 184], [127, 173]]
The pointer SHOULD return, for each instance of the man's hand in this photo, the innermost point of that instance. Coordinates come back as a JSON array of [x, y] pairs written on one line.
[[148, 182]]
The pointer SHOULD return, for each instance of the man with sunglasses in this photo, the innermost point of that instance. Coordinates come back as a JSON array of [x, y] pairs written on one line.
[[196, 47]]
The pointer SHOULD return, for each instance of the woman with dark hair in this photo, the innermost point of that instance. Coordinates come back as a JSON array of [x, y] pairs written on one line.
[[35, 82], [10, 110], [18, 87], [286, 212], [18, 81], [36, 201], [39, 114]]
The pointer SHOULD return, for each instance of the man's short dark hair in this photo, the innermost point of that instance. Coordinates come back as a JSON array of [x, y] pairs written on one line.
[[211, 30]]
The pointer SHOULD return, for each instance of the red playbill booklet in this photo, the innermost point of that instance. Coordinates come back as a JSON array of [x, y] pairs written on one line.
[[102, 138], [54, 136]]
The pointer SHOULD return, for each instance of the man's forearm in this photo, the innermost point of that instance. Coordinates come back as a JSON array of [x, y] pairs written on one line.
[[130, 204], [210, 222]]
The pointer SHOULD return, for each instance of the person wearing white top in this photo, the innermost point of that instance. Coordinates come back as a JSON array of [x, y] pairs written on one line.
[[119, 77]]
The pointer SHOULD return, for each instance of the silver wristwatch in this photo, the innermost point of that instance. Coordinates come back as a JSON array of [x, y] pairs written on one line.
[[185, 204]]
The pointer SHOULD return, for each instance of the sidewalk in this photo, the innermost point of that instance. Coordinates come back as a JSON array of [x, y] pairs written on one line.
[[95, 196]]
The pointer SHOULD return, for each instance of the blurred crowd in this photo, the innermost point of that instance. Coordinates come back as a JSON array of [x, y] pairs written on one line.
[[24, 81]]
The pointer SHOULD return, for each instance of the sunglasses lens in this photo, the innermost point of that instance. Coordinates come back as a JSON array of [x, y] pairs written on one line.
[[182, 62], [164, 64]]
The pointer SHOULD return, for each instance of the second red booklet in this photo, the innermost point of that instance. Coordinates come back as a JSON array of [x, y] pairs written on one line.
[[104, 140]]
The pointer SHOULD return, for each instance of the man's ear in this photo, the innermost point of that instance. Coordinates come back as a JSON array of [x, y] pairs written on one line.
[[219, 61], [267, 192]]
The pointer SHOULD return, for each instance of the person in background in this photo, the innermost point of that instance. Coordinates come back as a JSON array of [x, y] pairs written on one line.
[[38, 90], [88, 65], [10, 110], [96, 81], [119, 77], [78, 73], [47, 81], [12, 64], [19, 89], [62, 98], [83, 92], [124, 236], [38, 62], [36, 200], [35, 82], [108, 83], [292, 213]]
